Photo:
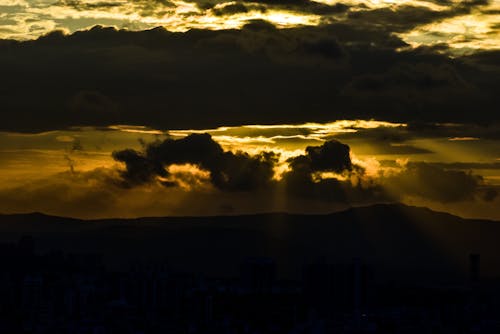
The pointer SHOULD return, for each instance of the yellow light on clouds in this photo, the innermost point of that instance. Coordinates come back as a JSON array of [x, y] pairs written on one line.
[[467, 33]]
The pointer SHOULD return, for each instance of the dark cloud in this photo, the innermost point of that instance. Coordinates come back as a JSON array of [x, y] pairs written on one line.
[[242, 172], [490, 59], [139, 169], [303, 180], [91, 105], [416, 130], [234, 9], [141, 7], [303, 6], [228, 171], [412, 82], [398, 18], [83, 5], [299, 6], [490, 131], [259, 25], [418, 88], [431, 182], [406, 17], [301, 184], [404, 139], [299, 49], [332, 156], [260, 74], [427, 181], [385, 140]]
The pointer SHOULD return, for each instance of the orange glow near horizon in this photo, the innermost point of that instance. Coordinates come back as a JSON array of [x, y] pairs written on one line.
[[80, 160]]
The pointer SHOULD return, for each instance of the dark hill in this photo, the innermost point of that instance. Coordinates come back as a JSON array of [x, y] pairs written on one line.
[[396, 240]]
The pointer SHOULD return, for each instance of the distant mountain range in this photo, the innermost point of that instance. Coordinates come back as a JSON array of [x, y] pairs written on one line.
[[397, 241]]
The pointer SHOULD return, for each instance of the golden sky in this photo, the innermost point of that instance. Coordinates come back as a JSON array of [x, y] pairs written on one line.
[[72, 172], [464, 25]]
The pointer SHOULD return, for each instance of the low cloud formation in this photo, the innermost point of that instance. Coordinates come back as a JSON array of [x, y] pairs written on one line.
[[228, 171], [332, 156], [194, 175], [240, 171], [323, 172], [436, 183]]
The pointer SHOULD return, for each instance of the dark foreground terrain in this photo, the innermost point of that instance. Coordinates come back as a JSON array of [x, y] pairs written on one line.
[[378, 269]]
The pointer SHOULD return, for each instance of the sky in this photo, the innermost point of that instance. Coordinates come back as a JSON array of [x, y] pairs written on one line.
[[156, 107]]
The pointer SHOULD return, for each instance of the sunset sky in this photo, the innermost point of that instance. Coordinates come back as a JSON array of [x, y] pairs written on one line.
[[154, 107]]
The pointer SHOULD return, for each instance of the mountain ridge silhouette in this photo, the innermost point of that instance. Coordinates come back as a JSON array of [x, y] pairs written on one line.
[[397, 240]]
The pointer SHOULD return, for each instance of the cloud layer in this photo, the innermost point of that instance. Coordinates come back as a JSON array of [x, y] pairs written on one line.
[[227, 170], [195, 175], [463, 23], [324, 173], [257, 75]]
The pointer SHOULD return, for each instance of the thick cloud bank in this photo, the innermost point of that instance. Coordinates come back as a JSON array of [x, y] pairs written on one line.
[[324, 173], [257, 75]]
